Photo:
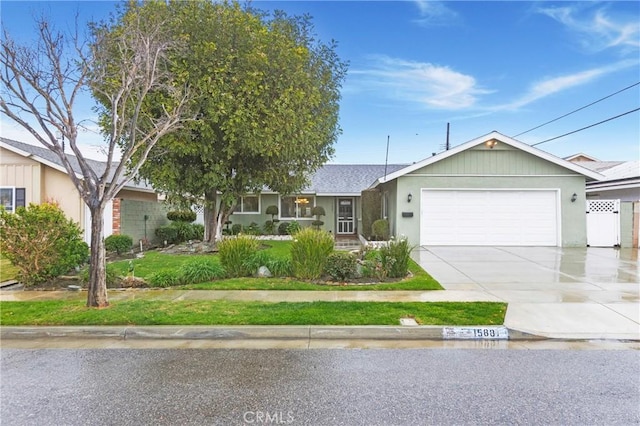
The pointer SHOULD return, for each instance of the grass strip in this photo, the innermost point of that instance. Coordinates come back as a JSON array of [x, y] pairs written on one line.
[[156, 312]]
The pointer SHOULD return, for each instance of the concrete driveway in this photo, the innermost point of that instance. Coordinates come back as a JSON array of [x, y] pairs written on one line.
[[577, 293]]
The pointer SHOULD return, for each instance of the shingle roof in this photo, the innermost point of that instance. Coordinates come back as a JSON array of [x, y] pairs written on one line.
[[49, 156], [598, 166], [348, 179]]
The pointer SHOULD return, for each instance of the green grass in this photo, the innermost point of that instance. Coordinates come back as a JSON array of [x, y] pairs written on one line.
[[7, 270], [154, 262], [155, 312]]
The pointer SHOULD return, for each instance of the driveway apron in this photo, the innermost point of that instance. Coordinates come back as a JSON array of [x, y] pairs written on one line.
[[558, 292]]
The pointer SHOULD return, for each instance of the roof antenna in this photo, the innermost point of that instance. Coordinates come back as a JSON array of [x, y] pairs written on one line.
[[386, 159], [445, 146]]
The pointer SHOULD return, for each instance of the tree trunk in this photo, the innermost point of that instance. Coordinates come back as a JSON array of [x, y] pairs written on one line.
[[97, 294], [210, 216]]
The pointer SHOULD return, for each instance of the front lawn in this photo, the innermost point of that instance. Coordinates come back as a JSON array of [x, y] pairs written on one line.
[[156, 312], [155, 262]]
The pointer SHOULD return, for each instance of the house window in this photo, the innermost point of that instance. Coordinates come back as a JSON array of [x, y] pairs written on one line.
[[11, 197], [248, 204], [297, 206]]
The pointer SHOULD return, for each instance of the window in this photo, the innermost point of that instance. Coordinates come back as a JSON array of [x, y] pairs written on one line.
[[11, 198], [385, 205], [297, 206], [248, 204]]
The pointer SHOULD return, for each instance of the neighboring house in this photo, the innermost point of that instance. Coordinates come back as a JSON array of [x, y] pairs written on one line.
[[621, 182], [34, 174]]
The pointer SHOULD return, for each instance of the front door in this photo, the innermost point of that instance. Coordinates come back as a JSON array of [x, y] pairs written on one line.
[[345, 216]]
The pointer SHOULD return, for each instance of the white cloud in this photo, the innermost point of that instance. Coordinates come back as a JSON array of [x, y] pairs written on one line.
[[433, 86], [553, 85], [434, 13], [597, 30]]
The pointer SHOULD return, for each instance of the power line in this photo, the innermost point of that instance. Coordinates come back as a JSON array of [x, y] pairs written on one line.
[[587, 127], [579, 109]]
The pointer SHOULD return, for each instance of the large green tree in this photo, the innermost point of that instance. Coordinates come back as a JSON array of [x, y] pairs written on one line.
[[267, 110]]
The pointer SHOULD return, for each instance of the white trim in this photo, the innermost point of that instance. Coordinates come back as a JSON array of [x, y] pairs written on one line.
[[302, 195], [241, 205], [13, 197], [556, 190], [482, 139], [483, 175]]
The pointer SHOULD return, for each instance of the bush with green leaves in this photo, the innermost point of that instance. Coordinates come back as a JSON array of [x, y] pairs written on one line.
[[293, 227], [380, 230], [341, 266], [253, 229], [118, 243], [179, 232], [273, 211], [41, 242], [163, 279], [377, 263], [309, 251], [400, 251], [234, 252], [201, 270], [112, 276], [182, 216], [236, 229], [269, 227], [283, 228]]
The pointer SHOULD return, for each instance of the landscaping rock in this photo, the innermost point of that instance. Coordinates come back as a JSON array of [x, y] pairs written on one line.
[[264, 272]]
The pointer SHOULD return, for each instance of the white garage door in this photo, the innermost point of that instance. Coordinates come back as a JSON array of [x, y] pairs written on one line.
[[489, 217]]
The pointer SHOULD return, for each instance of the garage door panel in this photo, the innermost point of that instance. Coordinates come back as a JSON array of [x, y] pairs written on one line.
[[485, 217]]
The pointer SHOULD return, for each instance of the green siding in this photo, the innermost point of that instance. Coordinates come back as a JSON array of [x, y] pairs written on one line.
[[483, 161]]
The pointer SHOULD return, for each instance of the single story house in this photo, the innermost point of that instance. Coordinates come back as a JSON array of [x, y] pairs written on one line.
[[34, 174], [493, 190]]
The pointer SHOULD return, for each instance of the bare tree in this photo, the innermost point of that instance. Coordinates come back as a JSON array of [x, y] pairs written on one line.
[[125, 68]]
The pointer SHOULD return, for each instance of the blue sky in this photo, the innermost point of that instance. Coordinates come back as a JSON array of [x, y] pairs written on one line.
[[480, 66]]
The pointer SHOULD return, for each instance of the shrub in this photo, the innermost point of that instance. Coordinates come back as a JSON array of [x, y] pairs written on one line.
[[200, 271], [293, 228], [253, 229], [280, 267], [377, 263], [256, 260], [380, 229], [269, 227], [118, 243], [341, 266], [113, 278], [400, 252], [283, 228], [317, 211], [41, 242], [181, 216], [165, 279], [309, 252], [273, 211], [179, 232], [234, 253], [236, 229]]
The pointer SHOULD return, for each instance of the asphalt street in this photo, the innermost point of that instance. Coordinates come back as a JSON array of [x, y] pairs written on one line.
[[319, 387]]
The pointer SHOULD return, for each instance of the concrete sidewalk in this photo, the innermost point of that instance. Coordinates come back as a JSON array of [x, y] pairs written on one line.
[[552, 292]]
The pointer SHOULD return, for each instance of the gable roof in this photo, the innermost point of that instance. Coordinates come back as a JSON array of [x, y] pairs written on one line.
[[49, 158], [590, 174]]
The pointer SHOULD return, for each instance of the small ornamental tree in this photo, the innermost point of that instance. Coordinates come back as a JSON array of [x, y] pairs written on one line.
[[318, 211], [41, 242], [273, 211]]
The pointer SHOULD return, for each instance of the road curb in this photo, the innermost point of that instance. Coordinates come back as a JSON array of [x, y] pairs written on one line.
[[241, 333]]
